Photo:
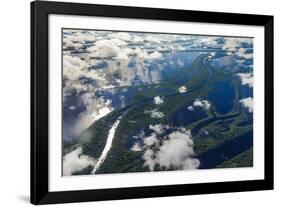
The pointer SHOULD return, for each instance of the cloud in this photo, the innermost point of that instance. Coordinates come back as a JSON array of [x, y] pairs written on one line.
[[223, 61], [158, 128], [69, 44], [140, 55], [202, 103], [149, 159], [190, 108], [209, 41], [75, 39], [207, 105], [95, 108], [117, 61], [158, 100], [81, 37], [205, 132], [104, 49], [128, 58], [137, 39], [98, 107], [75, 161], [198, 103], [113, 47], [143, 55], [246, 79], [151, 140], [72, 107], [155, 75], [247, 103], [182, 89], [74, 72], [101, 112], [231, 44], [119, 42], [176, 151], [242, 53], [154, 113], [153, 39], [157, 114], [122, 58], [180, 63], [73, 67], [136, 147], [141, 135], [153, 56], [123, 36]]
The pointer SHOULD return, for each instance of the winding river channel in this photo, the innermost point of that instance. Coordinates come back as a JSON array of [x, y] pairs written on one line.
[[112, 130], [214, 153]]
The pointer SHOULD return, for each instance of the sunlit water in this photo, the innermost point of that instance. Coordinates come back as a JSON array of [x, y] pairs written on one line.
[[108, 145]]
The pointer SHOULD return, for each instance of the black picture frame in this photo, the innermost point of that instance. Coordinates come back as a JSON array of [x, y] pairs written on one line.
[[39, 102]]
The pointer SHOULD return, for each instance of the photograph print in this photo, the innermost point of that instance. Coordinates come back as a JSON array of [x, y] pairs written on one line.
[[148, 102]]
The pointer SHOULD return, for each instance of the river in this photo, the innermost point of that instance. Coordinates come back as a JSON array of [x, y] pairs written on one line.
[[108, 145], [226, 151], [112, 131]]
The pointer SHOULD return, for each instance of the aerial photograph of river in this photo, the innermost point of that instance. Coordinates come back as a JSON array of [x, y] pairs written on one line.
[[148, 102]]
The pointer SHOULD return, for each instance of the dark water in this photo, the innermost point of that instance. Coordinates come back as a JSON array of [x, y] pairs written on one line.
[[72, 107], [245, 122], [173, 64], [173, 70], [99, 65], [184, 116], [245, 91], [222, 96], [119, 96], [162, 90], [206, 122], [222, 61], [228, 150]]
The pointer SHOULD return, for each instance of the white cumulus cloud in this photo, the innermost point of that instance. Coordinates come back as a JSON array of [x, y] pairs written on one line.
[[136, 147], [153, 39], [158, 100], [155, 113], [182, 89], [101, 112], [149, 159], [176, 151], [247, 103], [158, 128], [75, 161], [246, 79], [79, 37], [151, 140], [190, 108], [242, 53], [104, 49], [123, 36], [73, 67], [202, 103], [154, 55]]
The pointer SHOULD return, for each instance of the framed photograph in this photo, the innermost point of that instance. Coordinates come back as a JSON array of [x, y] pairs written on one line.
[[133, 102]]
